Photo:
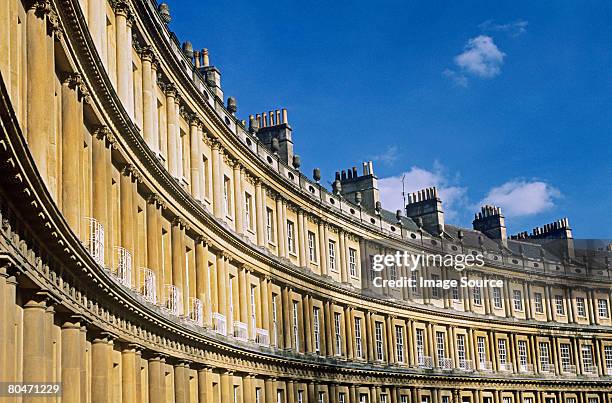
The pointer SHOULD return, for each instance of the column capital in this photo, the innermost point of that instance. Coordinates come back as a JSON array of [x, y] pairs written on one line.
[[41, 7], [103, 336], [180, 222], [227, 256], [201, 239], [132, 172], [156, 200], [121, 8], [40, 298], [103, 133], [146, 54], [169, 89]]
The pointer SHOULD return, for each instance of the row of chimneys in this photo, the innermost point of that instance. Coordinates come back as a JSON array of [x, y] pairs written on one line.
[[199, 59], [423, 195], [549, 228], [272, 118], [350, 174]]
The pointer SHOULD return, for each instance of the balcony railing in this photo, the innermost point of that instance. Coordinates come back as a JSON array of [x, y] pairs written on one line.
[[506, 367], [95, 239], [173, 300], [241, 330], [123, 266], [425, 361], [445, 364], [196, 311], [219, 323], [547, 368], [148, 286], [523, 368], [262, 337], [568, 368], [485, 366], [466, 365], [590, 370], [609, 371]]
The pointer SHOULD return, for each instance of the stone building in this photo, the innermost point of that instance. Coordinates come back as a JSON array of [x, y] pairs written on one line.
[[155, 248]]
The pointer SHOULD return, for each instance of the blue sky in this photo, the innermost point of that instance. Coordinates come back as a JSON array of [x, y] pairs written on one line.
[[502, 102]]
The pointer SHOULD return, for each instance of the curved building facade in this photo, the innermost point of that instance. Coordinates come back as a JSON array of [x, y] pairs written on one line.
[[155, 248]]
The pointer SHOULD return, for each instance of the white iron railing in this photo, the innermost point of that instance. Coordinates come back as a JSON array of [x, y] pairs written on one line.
[[173, 300], [568, 368], [547, 368], [446, 364], [219, 323], [466, 365], [148, 286], [525, 368], [196, 312], [123, 266], [609, 371], [262, 337], [590, 370], [241, 330], [485, 366], [506, 367], [95, 239], [425, 361]]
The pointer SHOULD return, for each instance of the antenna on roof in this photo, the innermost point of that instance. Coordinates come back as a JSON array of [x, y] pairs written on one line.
[[403, 190]]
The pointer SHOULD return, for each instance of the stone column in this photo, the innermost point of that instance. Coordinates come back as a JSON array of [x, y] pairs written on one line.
[[260, 213], [96, 21], [178, 260], [72, 143], [35, 325], [39, 116], [202, 279], [265, 306], [238, 200], [124, 52], [300, 239], [222, 287], [307, 322], [369, 337], [155, 146], [349, 337], [149, 99], [101, 368], [287, 317], [243, 296], [325, 262], [171, 131], [328, 317], [248, 389], [127, 226], [343, 256], [100, 157], [128, 373], [205, 393], [226, 386], [153, 245], [180, 174], [195, 157], [270, 386], [389, 340], [181, 382], [217, 180], [156, 379], [281, 240], [323, 248], [290, 388], [201, 168], [71, 353]]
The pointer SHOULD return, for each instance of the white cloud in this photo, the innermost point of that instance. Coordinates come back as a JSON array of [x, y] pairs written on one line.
[[481, 57], [514, 29], [522, 198], [416, 179], [388, 157]]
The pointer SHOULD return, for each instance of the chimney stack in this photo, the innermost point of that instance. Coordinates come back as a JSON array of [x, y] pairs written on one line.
[[491, 222], [366, 185], [427, 206]]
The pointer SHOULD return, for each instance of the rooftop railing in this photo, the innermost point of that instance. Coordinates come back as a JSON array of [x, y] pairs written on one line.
[[123, 266], [148, 286], [95, 239]]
